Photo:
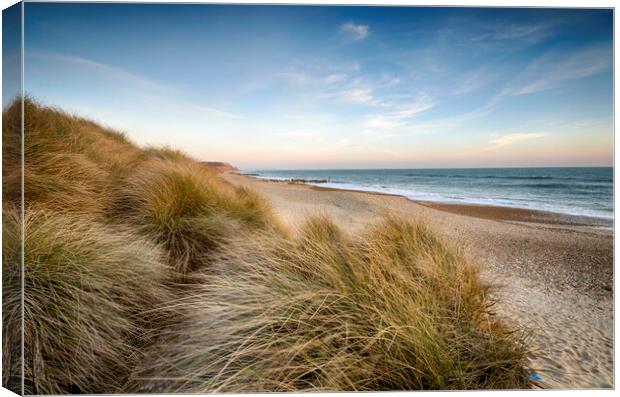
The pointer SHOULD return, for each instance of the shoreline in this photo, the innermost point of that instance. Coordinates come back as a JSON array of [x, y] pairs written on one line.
[[484, 211], [553, 275]]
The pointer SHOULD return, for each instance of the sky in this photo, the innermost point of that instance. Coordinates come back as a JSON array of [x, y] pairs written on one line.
[[293, 87]]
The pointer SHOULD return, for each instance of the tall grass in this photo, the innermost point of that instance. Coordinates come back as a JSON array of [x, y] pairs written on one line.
[[147, 271], [85, 289], [396, 309], [69, 162], [188, 208]]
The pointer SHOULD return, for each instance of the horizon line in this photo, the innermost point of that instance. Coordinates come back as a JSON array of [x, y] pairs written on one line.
[[417, 168]]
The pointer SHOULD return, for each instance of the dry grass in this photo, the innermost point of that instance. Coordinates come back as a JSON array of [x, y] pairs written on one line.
[[187, 207], [110, 227], [11, 303], [11, 282], [85, 289], [69, 162], [396, 309]]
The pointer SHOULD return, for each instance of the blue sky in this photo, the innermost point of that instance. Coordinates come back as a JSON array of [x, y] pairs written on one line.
[[334, 87]]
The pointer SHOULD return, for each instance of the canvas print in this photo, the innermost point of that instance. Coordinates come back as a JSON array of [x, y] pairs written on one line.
[[229, 198]]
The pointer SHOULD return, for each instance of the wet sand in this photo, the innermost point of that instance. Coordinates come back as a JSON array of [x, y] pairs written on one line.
[[554, 272]]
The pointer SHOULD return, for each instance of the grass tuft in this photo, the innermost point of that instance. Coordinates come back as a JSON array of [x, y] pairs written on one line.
[[85, 288], [396, 309], [188, 208]]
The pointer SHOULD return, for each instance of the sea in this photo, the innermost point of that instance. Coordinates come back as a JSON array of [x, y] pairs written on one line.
[[582, 191]]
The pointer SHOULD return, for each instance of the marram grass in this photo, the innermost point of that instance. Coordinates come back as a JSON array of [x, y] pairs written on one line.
[[85, 287], [187, 207], [395, 309], [145, 271]]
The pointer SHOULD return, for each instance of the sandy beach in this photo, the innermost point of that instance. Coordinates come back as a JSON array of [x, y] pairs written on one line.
[[554, 272]]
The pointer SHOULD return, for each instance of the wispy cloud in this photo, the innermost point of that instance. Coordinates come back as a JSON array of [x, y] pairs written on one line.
[[187, 106], [399, 115], [523, 32], [113, 72], [553, 69], [299, 134], [511, 139], [475, 80], [358, 95], [324, 84], [355, 32], [140, 86], [501, 36], [422, 103], [335, 78], [363, 90], [303, 78]]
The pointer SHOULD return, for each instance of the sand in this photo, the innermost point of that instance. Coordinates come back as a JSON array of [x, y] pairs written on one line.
[[554, 273]]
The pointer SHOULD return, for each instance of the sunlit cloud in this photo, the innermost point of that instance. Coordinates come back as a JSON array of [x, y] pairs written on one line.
[[355, 32], [360, 95], [421, 104], [398, 121], [511, 139], [359, 89]]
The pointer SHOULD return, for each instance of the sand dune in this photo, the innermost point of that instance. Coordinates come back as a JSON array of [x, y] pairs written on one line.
[[556, 272]]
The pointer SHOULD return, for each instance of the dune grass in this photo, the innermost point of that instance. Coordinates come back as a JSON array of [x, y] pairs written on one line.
[[11, 281], [396, 309], [146, 271], [85, 289], [187, 207]]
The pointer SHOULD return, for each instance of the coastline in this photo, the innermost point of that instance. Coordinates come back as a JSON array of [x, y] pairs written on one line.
[[555, 271], [485, 211], [494, 212]]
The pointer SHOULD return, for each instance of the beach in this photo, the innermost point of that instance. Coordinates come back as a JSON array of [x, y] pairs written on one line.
[[554, 272]]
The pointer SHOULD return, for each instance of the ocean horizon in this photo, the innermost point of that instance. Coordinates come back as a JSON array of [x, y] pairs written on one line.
[[577, 191]]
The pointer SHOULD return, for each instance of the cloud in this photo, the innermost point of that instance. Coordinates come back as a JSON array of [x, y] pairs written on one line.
[[475, 80], [139, 86], [207, 110], [110, 71], [302, 78], [299, 134], [328, 83], [358, 95], [421, 104], [355, 32], [553, 69], [365, 90], [511, 139], [335, 78], [400, 115], [529, 32]]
